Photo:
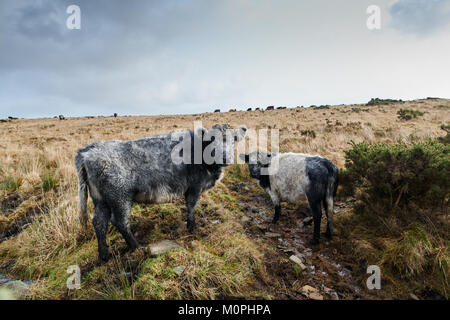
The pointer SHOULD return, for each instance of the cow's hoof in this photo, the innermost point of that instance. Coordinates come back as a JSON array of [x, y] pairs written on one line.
[[329, 235], [134, 248], [274, 221], [103, 259], [314, 241]]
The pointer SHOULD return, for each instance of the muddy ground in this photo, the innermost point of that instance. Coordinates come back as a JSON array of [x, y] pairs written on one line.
[[327, 268]]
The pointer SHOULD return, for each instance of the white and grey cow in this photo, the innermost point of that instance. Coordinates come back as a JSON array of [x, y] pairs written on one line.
[[118, 173], [296, 176]]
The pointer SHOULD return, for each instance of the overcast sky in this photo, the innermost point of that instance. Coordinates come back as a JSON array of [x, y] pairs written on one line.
[[189, 56]]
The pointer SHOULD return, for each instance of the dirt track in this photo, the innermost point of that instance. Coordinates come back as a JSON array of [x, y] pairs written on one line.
[[326, 267]]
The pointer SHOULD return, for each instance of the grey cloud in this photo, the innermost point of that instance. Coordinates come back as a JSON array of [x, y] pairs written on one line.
[[138, 55], [183, 56], [40, 21], [420, 16]]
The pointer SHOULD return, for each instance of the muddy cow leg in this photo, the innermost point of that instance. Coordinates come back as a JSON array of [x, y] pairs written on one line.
[[121, 216], [329, 210], [277, 214], [317, 215], [276, 203], [100, 222], [191, 196]]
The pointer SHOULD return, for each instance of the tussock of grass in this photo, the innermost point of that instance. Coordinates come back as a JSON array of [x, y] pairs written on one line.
[[408, 114], [225, 265], [11, 184], [308, 133], [46, 239], [413, 255], [48, 182], [446, 138], [409, 255]]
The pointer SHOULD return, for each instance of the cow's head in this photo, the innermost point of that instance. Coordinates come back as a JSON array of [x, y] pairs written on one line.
[[218, 143], [256, 161]]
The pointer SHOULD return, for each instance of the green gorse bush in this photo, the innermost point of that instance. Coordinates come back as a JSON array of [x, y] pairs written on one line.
[[393, 176], [408, 114], [378, 101]]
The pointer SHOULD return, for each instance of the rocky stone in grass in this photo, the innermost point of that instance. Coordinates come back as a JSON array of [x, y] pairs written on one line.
[[413, 296], [6, 294], [179, 270], [311, 293], [261, 226], [331, 293], [245, 219], [17, 289], [297, 261], [286, 248], [272, 235], [334, 295], [163, 247]]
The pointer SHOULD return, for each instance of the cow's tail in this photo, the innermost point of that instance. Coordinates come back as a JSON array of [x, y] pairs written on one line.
[[82, 190], [336, 183], [333, 181]]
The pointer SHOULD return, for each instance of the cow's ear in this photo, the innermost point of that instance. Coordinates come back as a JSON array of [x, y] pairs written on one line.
[[245, 157], [241, 132]]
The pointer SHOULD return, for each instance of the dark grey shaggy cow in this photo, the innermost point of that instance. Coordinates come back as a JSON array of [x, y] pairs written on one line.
[[118, 173], [296, 176]]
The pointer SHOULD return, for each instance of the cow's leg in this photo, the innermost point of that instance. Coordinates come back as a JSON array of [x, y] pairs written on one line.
[[329, 210], [121, 216], [100, 221], [317, 215], [192, 196], [276, 216], [276, 203]]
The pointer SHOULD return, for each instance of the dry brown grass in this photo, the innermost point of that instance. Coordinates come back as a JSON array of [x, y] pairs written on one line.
[[36, 162], [26, 146]]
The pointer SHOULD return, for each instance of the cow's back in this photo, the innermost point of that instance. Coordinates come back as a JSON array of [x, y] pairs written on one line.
[[139, 168], [289, 181], [293, 176]]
